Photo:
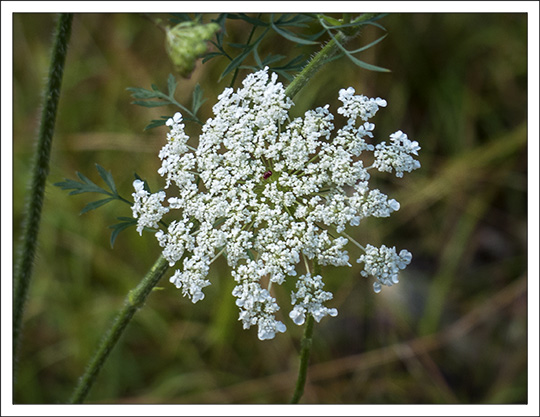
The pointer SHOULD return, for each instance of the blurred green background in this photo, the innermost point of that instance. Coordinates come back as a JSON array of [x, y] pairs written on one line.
[[453, 331]]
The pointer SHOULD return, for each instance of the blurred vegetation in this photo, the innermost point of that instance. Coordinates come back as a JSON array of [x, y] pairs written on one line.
[[454, 329]]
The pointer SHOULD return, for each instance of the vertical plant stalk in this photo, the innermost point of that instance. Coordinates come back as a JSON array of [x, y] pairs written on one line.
[[134, 300], [322, 57], [40, 170], [307, 341]]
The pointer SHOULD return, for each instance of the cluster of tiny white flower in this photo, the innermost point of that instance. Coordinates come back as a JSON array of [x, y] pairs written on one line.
[[309, 299], [268, 192], [384, 264]]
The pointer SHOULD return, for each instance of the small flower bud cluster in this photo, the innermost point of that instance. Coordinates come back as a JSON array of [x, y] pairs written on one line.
[[268, 192]]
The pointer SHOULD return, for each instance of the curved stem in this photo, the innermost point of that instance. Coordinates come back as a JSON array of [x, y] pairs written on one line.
[[40, 170], [134, 300]]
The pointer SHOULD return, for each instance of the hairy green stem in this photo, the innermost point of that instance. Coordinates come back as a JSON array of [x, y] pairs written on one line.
[[321, 58], [134, 300], [40, 170]]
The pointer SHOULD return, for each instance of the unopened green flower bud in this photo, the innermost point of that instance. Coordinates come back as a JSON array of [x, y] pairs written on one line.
[[186, 42]]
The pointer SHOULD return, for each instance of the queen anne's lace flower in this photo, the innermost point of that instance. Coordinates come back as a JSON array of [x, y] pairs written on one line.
[[268, 192]]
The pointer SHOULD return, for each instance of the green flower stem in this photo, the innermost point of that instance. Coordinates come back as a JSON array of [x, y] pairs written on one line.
[[134, 300], [321, 58], [40, 170], [307, 341]]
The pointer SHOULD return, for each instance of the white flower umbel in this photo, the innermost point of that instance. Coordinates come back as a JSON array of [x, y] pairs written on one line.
[[266, 191], [384, 264], [309, 298], [397, 155], [147, 208]]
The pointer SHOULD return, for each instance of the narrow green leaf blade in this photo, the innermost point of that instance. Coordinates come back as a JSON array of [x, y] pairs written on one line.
[[77, 187], [95, 204], [171, 85], [211, 55], [365, 65], [355, 60], [141, 93], [156, 123], [118, 227], [235, 63], [363, 48], [107, 177], [291, 36], [88, 186], [197, 100]]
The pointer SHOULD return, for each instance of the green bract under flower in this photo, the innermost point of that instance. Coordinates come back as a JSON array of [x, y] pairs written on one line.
[[268, 192]]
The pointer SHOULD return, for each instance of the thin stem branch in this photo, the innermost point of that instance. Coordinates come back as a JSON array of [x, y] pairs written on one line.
[[40, 171], [352, 240], [134, 300]]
